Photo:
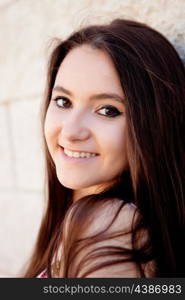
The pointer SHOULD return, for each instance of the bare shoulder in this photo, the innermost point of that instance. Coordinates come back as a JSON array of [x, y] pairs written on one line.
[[116, 212], [114, 219], [106, 237], [122, 216]]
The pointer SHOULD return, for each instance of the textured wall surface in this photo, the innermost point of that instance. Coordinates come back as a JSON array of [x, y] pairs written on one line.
[[26, 29]]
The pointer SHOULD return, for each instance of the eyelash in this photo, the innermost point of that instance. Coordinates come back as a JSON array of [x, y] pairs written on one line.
[[116, 111]]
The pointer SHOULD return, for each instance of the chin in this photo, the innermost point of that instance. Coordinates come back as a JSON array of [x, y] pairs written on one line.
[[74, 185]]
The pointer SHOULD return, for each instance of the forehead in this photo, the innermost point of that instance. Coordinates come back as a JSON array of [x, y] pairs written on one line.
[[88, 68]]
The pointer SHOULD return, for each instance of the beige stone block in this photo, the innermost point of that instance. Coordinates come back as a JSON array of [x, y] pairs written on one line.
[[20, 217], [27, 144], [26, 29], [28, 26], [7, 170]]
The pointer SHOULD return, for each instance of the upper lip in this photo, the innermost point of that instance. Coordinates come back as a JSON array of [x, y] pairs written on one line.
[[78, 150]]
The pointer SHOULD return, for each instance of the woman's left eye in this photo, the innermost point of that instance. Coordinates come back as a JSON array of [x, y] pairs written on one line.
[[110, 111]]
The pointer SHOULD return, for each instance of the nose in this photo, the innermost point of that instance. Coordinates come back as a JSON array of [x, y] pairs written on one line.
[[74, 128]]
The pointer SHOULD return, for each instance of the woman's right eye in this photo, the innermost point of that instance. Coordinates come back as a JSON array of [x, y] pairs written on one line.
[[62, 102]]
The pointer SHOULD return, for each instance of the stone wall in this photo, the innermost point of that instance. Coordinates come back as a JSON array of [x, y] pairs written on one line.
[[26, 30]]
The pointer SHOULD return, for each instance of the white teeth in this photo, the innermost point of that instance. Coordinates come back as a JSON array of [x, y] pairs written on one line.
[[78, 154]]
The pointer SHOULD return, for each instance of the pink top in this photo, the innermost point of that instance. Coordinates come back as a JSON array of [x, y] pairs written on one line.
[[43, 274]]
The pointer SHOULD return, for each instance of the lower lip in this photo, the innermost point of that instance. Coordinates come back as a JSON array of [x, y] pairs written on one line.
[[76, 159]]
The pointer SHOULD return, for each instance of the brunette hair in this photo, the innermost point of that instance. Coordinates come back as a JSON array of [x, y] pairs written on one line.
[[153, 80]]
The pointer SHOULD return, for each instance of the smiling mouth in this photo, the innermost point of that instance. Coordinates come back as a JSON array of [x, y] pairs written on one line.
[[78, 154]]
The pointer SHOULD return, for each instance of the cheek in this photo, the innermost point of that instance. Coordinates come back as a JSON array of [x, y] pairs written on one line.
[[118, 149], [115, 148], [113, 140]]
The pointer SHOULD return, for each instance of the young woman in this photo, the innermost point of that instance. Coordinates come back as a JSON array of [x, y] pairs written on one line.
[[113, 127]]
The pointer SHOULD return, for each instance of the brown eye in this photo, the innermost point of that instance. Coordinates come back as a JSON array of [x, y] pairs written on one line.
[[62, 102], [110, 111]]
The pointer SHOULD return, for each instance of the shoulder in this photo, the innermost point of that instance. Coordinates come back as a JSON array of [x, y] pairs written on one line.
[[114, 212], [105, 242], [99, 215], [110, 229]]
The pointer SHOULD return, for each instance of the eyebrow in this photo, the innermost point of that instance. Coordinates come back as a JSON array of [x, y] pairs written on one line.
[[100, 96]]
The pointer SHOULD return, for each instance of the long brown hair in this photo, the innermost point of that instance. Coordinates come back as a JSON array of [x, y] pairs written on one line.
[[153, 80]]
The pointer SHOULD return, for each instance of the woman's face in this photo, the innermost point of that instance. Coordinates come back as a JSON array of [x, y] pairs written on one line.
[[86, 116]]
